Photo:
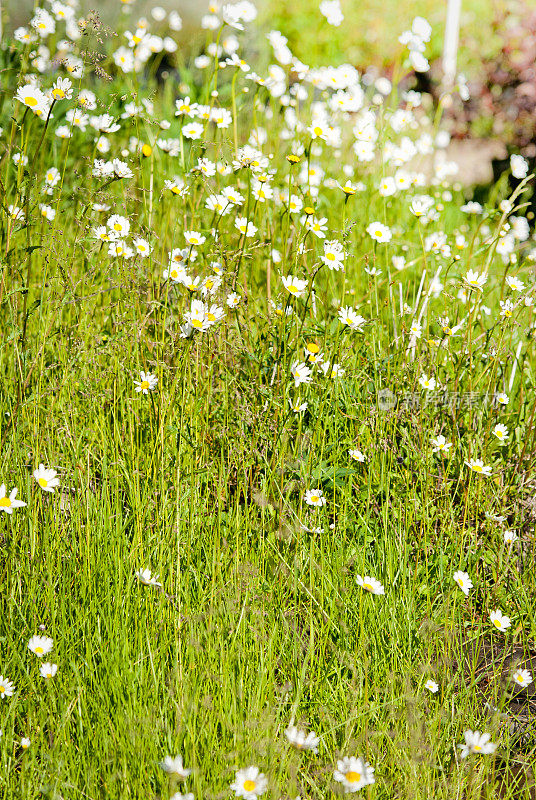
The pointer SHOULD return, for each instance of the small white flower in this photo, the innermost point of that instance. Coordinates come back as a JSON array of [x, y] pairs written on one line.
[[293, 285], [46, 478], [379, 232], [146, 384], [302, 740], [432, 686], [476, 742], [147, 578], [522, 678], [353, 774], [40, 645], [9, 502], [357, 455], [464, 581], [440, 445], [370, 584], [315, 497], [48, 670], [249, 783], [7, 689], [427, 383], [174, 766], [500, 620]]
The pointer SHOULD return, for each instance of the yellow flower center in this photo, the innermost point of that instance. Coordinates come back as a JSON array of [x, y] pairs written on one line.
[[249, 786], [39, 650], [368, 586], [353, 777], [58, 93], [196, 323], [117, 227], [477, 468], [42, 482], [146, 150], [5, 502], [313, 347], [174, 273], [292, 289], [477, 748], [497, 623], [2, 689], [317, 130], [314, 498], [144, 385], [30, 101]]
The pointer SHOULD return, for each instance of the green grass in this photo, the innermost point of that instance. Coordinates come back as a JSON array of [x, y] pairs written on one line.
[[260, 620], [369, 33]]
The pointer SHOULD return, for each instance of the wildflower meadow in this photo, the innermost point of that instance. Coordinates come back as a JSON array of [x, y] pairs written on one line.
[[267, 422]]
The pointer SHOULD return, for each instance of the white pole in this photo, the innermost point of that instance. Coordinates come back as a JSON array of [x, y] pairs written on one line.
[[450, 47]]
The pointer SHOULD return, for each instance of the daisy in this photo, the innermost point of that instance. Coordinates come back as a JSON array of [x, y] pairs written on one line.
[[464, 581], [357, 455], [146, 578], [249, 783], [477, 465], [501, 621], [333, 255], [421, 204], [142, 247], [521, 677], [502, 398], [293, 285], [476, 742], [353, 774], [440, 445], [245, 227], [8, 503], [174, 766], [380, 233], [514, 283], [510, 537], [32, 97], [501, 432], [120, 225], [233, 300], [194, 238], [40, 645], [432, 686], [192, 130], [46, 478], [315, 497], [25, 742], [297, 406], [475, 280], [48, 670], [302, 740], [427, 383], [348, 316], [6, 688], [370, 584], [146, 384]]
